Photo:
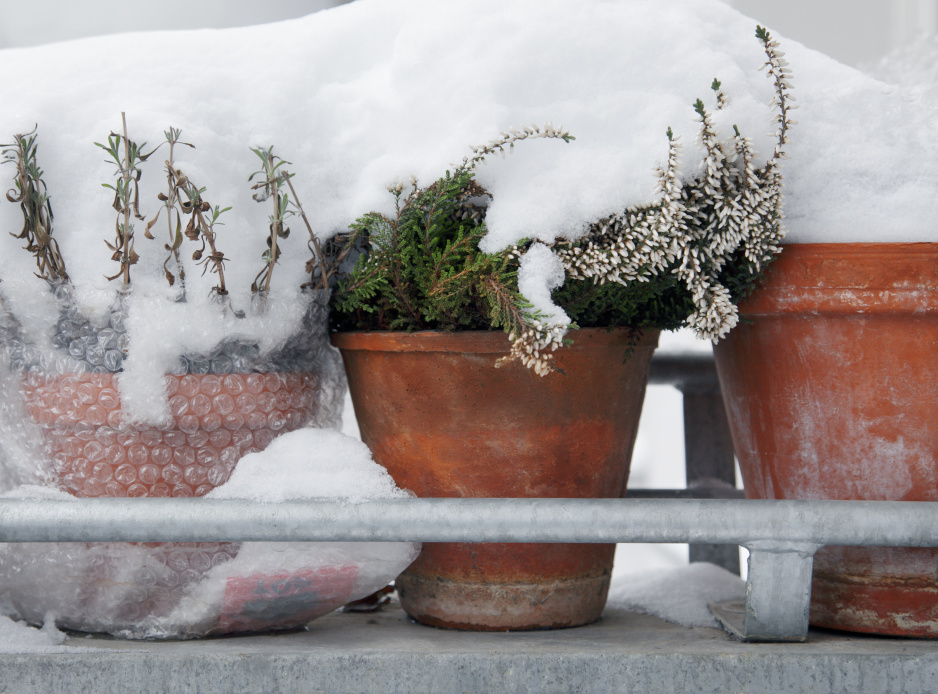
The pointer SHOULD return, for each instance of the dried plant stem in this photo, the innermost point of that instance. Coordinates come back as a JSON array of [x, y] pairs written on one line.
[[276, 224], [324, 271], [126, 175], [30, 192], [170, 205]]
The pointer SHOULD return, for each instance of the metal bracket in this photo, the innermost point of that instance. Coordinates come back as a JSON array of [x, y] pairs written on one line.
[[778, 594]]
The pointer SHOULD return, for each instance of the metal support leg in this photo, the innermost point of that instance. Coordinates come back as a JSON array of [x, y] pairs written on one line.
[[708, 445], [709, 459], [778, 595]]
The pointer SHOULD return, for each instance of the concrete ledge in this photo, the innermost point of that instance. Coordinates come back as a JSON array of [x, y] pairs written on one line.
[[385, 652]]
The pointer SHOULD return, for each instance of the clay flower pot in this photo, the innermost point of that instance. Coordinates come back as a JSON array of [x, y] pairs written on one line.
[[831, 388], [446, 422]]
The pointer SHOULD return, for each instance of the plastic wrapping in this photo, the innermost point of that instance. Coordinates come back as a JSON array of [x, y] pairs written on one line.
[[62, 427]]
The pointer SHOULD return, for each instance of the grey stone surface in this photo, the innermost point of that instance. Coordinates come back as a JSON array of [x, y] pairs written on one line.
[[385, 652]]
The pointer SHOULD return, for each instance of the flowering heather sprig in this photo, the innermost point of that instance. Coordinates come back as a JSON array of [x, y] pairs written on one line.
[[533, 345], [777, 68], [504, 144], [729, 213]]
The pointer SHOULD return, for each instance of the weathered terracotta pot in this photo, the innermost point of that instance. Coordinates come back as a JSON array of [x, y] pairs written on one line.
[[831, 387], [446, 422]]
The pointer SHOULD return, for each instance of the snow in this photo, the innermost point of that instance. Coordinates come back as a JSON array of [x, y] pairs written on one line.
[[309, 464], [677, 595], [360, 98], [367, 94], [18, 637], [539, 273]]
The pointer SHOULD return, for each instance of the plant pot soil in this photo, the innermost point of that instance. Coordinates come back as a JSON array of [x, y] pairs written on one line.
[[445, 422], [831, 388]]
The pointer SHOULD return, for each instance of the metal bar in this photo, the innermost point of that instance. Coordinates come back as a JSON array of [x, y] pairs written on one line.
[[897, 523], [695, 492], [684, 371]]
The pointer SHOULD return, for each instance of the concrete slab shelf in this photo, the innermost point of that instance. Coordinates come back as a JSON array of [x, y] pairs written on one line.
[[386, 652]]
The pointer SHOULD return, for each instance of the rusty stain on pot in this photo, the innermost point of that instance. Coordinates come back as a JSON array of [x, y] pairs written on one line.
[[446, 423], [831, 389]]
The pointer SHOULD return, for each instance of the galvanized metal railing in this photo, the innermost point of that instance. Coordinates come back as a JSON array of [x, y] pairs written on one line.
[[782, 536]]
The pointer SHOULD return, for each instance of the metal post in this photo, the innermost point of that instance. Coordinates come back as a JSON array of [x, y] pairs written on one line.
[[708, 445]]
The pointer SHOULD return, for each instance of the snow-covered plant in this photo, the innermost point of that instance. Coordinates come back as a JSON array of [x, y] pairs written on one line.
[[683, 260], [422, 268], [275, 177], [29, 190], [715, 232]]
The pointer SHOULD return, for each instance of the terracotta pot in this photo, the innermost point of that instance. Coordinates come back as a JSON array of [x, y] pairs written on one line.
[[216, 419], [446, 422], [831, 388]]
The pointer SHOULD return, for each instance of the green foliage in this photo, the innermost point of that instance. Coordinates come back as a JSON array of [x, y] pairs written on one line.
[[663, 302], [423, 269]]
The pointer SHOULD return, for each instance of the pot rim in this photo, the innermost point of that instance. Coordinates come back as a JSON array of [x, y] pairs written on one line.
[[848, 278], [478, 341]]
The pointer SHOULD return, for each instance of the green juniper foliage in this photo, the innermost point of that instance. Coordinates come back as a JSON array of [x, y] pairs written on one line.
[[423, 268]]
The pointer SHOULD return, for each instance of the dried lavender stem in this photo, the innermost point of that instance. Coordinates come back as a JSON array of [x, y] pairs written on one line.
[[126, 231], [324, 273]]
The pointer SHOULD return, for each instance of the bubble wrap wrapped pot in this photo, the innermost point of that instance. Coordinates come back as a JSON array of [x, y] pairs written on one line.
[[63, 416]]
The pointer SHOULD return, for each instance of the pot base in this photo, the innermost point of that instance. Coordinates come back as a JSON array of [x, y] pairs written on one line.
[[474, 606], [876, 590]]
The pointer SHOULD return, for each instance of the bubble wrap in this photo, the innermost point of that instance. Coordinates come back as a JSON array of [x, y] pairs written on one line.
[[61, 427]]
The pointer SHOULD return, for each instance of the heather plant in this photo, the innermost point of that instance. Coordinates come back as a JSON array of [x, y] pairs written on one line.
[[683, 260]]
